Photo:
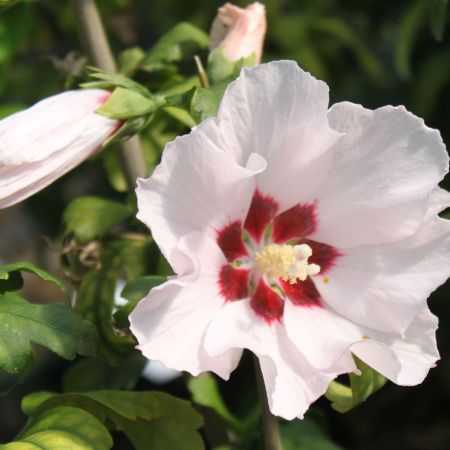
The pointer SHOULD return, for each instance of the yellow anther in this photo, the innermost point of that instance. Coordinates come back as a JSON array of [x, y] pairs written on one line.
[[290, 263]]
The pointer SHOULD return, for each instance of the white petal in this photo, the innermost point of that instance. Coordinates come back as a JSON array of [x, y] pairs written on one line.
[[405, 360], [383, 172], [196, 187], [280, 112], [320, 334], [385, 286], [292, 384], [42, 143], [170, 322]]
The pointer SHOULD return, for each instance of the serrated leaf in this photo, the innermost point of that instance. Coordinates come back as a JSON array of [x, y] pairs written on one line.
[[169, 46], [149, 419], [89, 218], [362, 386], [62, 428], [205, 392], [125, 104], [54, 326], [305, 435], [7, 271], [438, 18]]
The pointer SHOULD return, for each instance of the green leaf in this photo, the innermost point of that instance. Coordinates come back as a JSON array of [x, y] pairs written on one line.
[[89, 218], [137, 289], [169, 46], [62, 428], [134, 291], [305, 435], [409, 28], [438, 18], [149, 419], [205, 392], [362, 386], [97, 374], [95, 295], [126, 104], [9, 280], [130, 59], [54, 326]]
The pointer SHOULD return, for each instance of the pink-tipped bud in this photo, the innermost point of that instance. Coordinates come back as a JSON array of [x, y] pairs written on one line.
[[239, 31], [42, 143]]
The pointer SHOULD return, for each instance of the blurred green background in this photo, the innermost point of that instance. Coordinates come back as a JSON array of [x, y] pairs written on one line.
[[373, 52]]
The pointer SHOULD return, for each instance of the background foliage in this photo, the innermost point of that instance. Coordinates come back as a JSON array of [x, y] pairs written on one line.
[[372, 52]]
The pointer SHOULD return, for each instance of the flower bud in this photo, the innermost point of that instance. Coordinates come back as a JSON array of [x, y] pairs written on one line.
[[42, 143], [239, 31]]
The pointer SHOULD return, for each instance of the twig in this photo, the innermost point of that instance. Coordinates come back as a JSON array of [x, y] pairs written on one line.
[[97, 47], [270, 430], [201, 72]]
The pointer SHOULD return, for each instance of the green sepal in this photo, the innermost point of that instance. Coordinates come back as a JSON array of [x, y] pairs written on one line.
[[220, 68], [345, 398], [124, 104]]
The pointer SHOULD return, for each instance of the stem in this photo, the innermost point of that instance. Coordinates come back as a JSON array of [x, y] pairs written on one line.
[[97, 47], [271, 432], [201, 72]]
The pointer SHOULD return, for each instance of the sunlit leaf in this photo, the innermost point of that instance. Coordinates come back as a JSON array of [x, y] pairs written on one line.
[[60, 428], [149, 419]]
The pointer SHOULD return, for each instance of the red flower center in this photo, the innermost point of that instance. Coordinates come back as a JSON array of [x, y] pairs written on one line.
[[241, 278]]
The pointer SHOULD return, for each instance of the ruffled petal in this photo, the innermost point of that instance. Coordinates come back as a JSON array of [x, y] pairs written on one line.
[[404, 359], [44, 142], [280, 112], [170, 323], [385, 286], [383, 172], [320, 334], [292, 384], [197, 187]]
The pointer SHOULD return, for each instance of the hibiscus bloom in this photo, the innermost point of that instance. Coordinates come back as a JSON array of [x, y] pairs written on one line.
[[301, 233], [239, 31], [42, 143]]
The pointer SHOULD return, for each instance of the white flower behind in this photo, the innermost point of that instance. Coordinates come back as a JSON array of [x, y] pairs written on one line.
[[301, 233], [42, 143]]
